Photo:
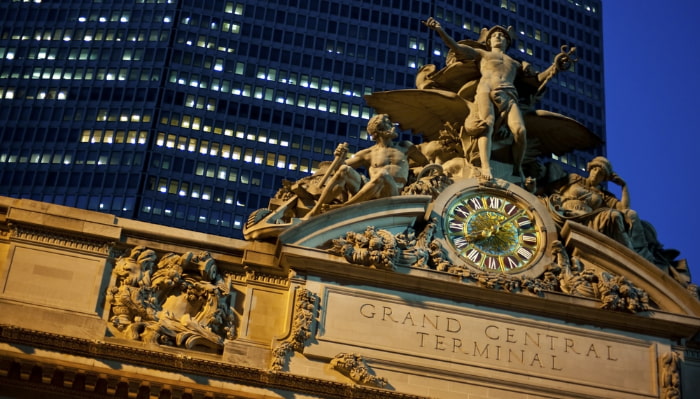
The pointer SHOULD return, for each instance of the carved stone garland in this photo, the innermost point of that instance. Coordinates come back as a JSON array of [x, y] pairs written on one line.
[[378, 248], [304, 310]]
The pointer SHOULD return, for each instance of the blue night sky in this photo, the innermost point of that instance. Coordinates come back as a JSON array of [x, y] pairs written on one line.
[[652, 53]]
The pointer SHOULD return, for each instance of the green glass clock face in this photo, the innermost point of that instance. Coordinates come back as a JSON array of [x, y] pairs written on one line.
[[492, 233]]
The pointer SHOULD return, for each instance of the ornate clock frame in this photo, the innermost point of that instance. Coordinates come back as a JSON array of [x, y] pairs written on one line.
[[494, 227]]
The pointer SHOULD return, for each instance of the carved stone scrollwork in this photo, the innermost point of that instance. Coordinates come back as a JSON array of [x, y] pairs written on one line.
[[303, 317], [354, 366], [181, 300]]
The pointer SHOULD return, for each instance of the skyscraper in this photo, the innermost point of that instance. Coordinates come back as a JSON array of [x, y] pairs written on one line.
[[191, 113]]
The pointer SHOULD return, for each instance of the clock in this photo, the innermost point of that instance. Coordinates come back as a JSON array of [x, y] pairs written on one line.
[[495, 227], [492, 232]]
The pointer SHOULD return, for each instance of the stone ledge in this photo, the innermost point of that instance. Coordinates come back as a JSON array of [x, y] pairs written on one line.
[[186, 363]]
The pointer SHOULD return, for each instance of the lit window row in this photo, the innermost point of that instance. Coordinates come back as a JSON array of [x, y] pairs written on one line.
[[285, 97], [509, 5], [252, 134], [199, 191], [584, 5], [203, 41], [37, 157], [91, 34], [114, 115], [36, 93], [312, 82], [175, 165], [83, 54], [234, 8], [193, 214], [155, 16], [61, 73], [572, 160], [268, 74], [116, 158], [114, 136], [210, 23], [205, 192], [104, 203], [238, 153]]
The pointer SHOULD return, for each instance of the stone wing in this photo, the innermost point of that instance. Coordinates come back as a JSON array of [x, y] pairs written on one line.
[[558, 134], [422, 112]]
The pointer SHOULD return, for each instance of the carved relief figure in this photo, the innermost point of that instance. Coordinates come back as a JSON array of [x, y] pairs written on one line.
[[181, 300], [129, 298], [387, 163]]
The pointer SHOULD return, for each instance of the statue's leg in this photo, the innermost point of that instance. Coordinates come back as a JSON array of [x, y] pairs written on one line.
[[487, 116], [380, 186], [516, 124], [344, 179]]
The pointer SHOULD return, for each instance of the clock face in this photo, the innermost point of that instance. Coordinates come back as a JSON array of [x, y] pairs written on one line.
[[491, 232]]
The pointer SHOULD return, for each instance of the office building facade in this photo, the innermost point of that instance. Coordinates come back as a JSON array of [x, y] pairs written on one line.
[[191, 113]]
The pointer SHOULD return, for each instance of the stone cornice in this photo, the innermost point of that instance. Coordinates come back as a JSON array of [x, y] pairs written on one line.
[[61, 240]]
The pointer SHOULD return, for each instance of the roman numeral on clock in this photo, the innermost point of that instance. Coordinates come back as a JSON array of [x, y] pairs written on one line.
[[456, 226], [460, 242], [475, 203], [525, 253], [495, 203], [491, 263], [474, 255]]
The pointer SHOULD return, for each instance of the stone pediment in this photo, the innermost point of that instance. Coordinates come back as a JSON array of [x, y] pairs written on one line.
[[576, 266]]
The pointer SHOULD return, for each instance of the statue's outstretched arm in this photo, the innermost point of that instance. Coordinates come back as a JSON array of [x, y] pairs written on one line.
[[463, 50], [562, 61]]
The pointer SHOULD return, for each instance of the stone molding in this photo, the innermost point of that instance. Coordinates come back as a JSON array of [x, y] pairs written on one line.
[[61, 240]]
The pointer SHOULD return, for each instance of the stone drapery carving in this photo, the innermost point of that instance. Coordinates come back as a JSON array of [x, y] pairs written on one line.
[[303, 317], [179, 300], [354, 366]]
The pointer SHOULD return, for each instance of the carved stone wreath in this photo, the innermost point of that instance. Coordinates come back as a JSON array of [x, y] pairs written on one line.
[[179, 300]]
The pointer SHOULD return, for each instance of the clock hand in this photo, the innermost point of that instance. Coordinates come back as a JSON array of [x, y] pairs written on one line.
[[481, 234], [491, 230], [509, 219]]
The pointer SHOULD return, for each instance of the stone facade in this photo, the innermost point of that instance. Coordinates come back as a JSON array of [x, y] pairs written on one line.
[[96, 306]]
